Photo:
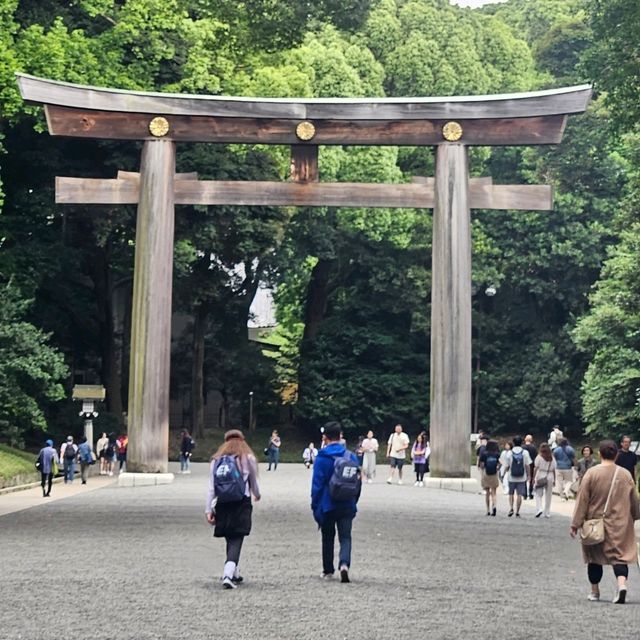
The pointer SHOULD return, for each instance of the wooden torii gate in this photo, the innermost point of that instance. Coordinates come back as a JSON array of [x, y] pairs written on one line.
[[161, 120]]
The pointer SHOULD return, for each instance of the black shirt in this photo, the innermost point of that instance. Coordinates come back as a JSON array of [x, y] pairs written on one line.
[[628, 460], [533, 452]]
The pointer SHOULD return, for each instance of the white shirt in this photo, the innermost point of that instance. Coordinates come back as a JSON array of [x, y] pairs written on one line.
[[399, 443], [370, 445], [527, 463]]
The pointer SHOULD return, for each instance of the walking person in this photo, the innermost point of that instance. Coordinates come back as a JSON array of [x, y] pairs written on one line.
[[608, 492], [110, 453], [544, 479], [533, 452], [370, 447], [48, 466], [554, 437], [518, 466], [233, 479], [273, 450], [335, 491], [419, 458], [309, 455], [584, 464], [85, 455], [489, 463], [360, 451], [186, 451], [503, 469], [565, 460], [101, 448], [627, 459], [397, 446], [68, 455], [121, 451]]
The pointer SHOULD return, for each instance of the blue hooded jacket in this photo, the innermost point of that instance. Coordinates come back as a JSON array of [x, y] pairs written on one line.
[[321, 500]]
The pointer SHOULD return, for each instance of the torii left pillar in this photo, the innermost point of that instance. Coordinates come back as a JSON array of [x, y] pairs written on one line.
[[148, 420]]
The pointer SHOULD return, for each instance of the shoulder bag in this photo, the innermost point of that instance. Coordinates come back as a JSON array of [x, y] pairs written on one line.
[[544, 481], [592, 531]]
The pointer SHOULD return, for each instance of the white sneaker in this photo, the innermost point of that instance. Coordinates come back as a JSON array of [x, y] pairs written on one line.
[[416, 484], [110, 473], [399, 481], [389, 480], [421, 484], [228, 583], [369, 481]]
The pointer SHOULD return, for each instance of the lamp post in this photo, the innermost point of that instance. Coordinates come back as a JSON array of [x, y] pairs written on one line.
[[251, 410], [89, 394], [490, 291]]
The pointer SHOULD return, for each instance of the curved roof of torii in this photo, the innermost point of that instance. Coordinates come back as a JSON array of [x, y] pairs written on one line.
[[515, 105]]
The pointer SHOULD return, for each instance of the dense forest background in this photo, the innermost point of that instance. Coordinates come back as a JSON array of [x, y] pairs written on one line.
[[558, 342]]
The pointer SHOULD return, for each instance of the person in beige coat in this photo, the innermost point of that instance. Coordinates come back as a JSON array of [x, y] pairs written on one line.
[[619, 546]]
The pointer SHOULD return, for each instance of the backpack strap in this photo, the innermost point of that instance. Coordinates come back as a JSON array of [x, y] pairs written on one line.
[[613, 480]]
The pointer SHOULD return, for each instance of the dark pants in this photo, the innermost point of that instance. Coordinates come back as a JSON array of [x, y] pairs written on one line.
[[273, 455], [234, 547], [419, 468], [332, 520], [595, 572], [530, 486], [46, 479]]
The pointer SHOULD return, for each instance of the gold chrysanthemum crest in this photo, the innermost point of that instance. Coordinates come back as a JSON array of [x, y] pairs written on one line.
[[159, 127], [452, 131]]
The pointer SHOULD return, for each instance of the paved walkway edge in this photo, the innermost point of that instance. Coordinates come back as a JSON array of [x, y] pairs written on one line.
[[466, 485]]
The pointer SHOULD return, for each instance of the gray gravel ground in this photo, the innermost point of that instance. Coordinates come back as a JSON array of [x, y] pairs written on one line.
[[141, 564]]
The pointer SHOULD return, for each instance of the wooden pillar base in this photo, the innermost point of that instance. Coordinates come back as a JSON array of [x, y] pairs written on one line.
[[450, 414], [148, 423]]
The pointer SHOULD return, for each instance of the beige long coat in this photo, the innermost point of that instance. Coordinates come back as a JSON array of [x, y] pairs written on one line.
[[619, 546]]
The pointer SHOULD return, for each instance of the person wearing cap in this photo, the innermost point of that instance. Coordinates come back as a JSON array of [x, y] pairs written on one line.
[[331, 514], [47, 461], [68, 455]]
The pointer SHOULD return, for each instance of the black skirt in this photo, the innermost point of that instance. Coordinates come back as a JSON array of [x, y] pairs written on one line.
[[233, 519]]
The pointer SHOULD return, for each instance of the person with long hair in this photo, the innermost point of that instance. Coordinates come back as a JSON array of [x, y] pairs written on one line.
[[232, 519], [608, 492], [544, 479], [489, 465], [419, 457], [504, 468]]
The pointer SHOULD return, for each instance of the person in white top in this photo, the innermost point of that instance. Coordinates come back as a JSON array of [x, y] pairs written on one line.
[[519, 465], [397, 452], [370, 447], [544, 479], [101, 448], [309, 455], [554, 437]]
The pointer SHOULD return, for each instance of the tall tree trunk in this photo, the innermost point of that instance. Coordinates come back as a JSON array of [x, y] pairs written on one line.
[[197, 372], [314, 313], [109, 349]]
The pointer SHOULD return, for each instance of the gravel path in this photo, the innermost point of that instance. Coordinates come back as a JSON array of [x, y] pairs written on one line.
[[141, 564]]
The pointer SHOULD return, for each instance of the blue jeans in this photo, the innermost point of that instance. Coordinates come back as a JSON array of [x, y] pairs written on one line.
[[69, 470], [273, 456], [342, 521], [184, 462]]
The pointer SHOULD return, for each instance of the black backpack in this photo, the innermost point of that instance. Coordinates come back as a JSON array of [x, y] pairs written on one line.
[[517, 464], [69, 452], [346, 480], [228, 481]]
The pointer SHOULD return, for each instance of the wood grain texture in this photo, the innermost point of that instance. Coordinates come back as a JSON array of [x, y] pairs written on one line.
[[148, 424], [418, 194], [65, 121], [304, 163], [551, 102], [450, 412]]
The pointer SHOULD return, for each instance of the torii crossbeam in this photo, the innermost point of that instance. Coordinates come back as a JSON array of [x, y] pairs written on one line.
[[161, 120]]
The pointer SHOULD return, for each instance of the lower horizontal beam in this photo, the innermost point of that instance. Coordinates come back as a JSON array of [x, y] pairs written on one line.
[[420, 195]]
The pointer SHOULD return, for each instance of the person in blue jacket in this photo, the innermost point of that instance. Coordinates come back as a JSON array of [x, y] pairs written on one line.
[[331, 514]]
